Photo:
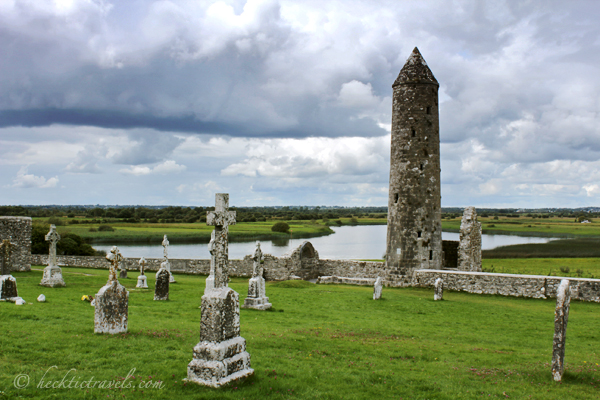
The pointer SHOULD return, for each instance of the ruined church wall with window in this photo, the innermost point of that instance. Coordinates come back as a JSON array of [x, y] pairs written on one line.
[[18, 231]]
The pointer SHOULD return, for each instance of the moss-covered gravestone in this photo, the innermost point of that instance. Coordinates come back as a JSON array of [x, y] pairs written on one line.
[[220, 357], [112, 301], [8, 284]]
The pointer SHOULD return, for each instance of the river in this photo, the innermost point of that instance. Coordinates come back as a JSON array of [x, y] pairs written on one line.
[[348, 242]]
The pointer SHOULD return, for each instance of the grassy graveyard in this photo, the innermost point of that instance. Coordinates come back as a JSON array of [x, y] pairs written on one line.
[[319, 342]]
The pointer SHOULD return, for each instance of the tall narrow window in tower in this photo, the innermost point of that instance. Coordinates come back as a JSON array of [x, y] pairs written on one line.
[[431, 254], [419, 234], [429, 110], [414, 133], [397, 198]]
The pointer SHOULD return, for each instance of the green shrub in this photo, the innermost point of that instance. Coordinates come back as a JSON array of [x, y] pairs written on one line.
[[71, 244], [56, 221], [280, 227], [105, 228]]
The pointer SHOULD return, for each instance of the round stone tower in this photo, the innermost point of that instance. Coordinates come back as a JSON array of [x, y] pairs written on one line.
[[414, 227]]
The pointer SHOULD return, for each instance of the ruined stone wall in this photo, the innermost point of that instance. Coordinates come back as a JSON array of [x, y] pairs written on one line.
[[352, 269], [346, 281], [18, 230], [533, 286], [365, 272], [469, 248], [414, 230], [275, 268]]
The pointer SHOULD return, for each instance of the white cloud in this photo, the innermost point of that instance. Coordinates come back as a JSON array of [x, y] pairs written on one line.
[[289, 159], [167, 167], [592, 190], [25, 180]]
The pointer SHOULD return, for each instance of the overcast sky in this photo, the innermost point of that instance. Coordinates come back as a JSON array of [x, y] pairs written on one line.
[[289, 102]]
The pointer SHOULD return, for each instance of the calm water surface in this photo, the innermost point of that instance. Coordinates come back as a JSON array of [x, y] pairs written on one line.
[[348, 242]]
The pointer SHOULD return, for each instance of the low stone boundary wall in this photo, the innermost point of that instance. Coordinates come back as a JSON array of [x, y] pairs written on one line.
[[346, 280], [275, 269], [533, 286], [362, 273], [352, 269]]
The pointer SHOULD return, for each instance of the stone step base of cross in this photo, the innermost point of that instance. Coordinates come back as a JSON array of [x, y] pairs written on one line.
[[216, 364], [52, 277], [257, 303]]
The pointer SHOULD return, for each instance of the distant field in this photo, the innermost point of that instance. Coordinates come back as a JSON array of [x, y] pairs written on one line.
[[524, 226], [574, 248], [575, 267], [192, 233]]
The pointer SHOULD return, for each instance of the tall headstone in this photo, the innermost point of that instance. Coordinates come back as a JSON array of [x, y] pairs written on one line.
[[112, 301], [52, 273], [561, 317], [161, 287], [122, 271], [438, 287], [377, 288], [18, 231], [220, 356], [257, 298], [142, 281], [469, 247], [166, 262], [8, 284], [414, 227]]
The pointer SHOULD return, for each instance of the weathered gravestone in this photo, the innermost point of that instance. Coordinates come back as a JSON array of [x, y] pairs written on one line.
[[438, 289], [166, 262], [112, 301], [122, 271], [220, 356], [52, 273], [377, 288], [561, 317], [469, 247], [8, 284], [161, 287], [142, 279], [257, 298]]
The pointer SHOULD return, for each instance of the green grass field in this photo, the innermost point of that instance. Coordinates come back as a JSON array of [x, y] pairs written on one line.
[[565, 248], [319, 342], [524, 226], [192, 233], [575, 267]]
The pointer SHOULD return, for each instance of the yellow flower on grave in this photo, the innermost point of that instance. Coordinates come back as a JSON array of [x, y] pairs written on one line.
[[84, 297]]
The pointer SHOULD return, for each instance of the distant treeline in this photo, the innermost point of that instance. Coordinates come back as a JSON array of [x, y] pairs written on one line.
[[77, 214], [170, 214]]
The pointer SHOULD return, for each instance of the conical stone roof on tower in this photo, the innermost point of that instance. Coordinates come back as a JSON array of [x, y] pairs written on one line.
[[415, 70], [414, 236]]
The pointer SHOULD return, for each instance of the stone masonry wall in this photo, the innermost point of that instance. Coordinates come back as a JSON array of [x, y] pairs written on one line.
[[364, 272], [275, 268], [18, 230], [352, 269], [533, 286]]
